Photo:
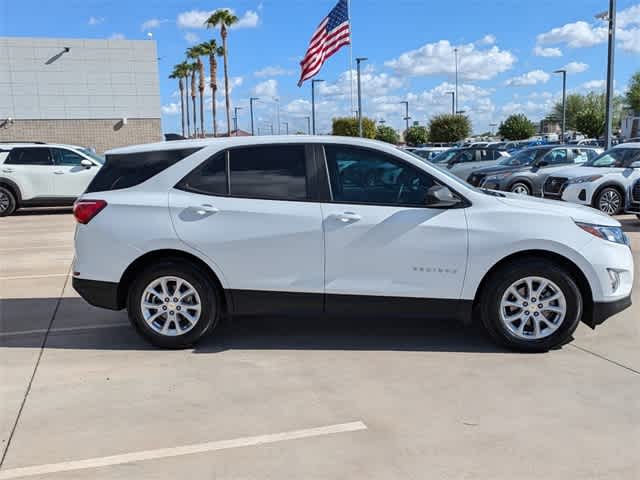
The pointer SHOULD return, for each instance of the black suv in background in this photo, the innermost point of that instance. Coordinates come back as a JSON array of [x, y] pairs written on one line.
[[526, 171]]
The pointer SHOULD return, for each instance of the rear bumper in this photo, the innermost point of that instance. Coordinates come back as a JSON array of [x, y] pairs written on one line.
[[604, 310], [98, 294]]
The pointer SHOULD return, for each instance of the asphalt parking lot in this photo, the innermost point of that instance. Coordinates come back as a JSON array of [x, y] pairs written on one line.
[[82, 396]]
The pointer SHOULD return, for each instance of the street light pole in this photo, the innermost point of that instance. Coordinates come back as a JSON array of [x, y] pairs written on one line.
[[358, 61], [251, 100], [308, 124], [455, 51], [313, 103], [453, 101], [277, 100], [235, 118], [564, 103], [286, 126], [611, 17], [406, 112]]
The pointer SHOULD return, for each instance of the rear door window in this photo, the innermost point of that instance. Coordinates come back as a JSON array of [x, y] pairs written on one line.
[[268, 171], [30, 156], [131, 169], [67, 158], [210, 178]]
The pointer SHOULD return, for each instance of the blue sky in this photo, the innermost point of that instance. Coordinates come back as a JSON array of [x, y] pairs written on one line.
[[508, 51]]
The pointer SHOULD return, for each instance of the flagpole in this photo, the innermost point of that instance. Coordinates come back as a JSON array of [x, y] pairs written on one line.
[[350, 58]]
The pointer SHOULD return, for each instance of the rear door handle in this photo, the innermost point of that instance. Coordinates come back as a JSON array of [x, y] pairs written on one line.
[[8, 170], [348, 217], [59, 172], [205, 209]]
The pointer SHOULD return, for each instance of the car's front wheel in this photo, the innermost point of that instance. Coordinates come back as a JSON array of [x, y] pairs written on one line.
[[531, 305], [610, 201], [520, 188], [173, 304], [7, 202]]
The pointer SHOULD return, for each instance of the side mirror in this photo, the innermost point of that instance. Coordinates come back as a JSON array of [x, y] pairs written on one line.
[[440, 196], [543, 163], [86, 163], [635, 164]]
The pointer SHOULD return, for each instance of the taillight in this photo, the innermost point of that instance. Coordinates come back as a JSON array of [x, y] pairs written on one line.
[[85, 210]]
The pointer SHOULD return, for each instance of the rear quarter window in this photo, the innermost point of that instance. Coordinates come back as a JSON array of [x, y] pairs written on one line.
[[130, 169]]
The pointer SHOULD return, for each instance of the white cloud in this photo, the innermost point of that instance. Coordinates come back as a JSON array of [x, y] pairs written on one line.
[[575, 67], [535, 110], [152, 23], [629, 40], [547, 52], [171, 109], [575, 35], [273, 71], [196, 19], [299, 107], [372, 84], [438, 58], [527, 79], [268, 88], [95, 20], [117, 36], [191, 37], [487, 40], [628, 17], [593, 85]]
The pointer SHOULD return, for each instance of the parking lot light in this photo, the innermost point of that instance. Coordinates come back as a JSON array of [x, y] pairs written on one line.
[[564, 101]]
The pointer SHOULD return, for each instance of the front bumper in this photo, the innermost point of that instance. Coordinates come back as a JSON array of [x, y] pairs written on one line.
[[603, 310], [577, 193], [98, 294]]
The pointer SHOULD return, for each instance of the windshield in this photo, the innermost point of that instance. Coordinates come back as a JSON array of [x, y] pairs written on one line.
[[444, 157], [524, 157], [93, 155], [617, 158]]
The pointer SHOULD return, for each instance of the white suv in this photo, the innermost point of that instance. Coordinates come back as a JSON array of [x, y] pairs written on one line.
[[38, 174], [184, 233], [600, 182]]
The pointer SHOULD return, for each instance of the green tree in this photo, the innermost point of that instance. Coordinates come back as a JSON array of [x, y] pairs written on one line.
[[224, 18], [577, 103], [387, 134], [590, 122], [632, 96], [517, 127], [180, 72], [212, 49], [416, 135], [447, 128], [348, 127], [194, 53]]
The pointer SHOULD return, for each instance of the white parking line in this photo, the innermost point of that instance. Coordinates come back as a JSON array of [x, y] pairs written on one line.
[[64, 329], [21, 277], [179, 451]]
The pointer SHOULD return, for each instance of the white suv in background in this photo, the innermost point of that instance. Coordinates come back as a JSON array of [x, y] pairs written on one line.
[[38, 174], [601, 183], [183, 233]]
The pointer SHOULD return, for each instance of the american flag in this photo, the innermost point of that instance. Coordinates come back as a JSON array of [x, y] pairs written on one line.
[[331, 35]]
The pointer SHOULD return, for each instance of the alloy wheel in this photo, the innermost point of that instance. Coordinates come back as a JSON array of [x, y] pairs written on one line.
[[609, 202], [171, 306], [533, 308], [520, 189], [4, 202]]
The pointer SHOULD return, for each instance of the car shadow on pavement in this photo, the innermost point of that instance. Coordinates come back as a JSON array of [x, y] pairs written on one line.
[[43, 211], [77, 325], [630, 224]]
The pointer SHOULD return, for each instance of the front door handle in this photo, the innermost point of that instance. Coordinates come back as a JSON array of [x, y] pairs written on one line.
[[59, 172], [348, 217], [8, 170], [205, 209]]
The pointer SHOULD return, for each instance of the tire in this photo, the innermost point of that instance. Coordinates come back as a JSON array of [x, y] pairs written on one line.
[[610, 201], [182, 331], [8, 202], [520, 188], [555, 329]]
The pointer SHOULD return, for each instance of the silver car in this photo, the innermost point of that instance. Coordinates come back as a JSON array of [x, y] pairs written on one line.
[[462, 161]]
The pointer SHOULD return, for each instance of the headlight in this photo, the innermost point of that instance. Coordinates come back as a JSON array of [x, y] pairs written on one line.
[[500, 176], [611, 234], [590, 178]]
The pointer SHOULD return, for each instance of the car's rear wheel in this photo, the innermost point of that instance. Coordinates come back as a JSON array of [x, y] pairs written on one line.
[[531, 306], [610, 201], [173, 304], [7, 202], [520, 188]]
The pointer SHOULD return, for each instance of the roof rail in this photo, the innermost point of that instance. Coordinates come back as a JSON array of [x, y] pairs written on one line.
[[23, 141]]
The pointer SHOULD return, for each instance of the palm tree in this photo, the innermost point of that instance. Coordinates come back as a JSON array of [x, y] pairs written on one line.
[[195, 53], [180, 72], [193, 68], [224, 18], [212, 49]]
